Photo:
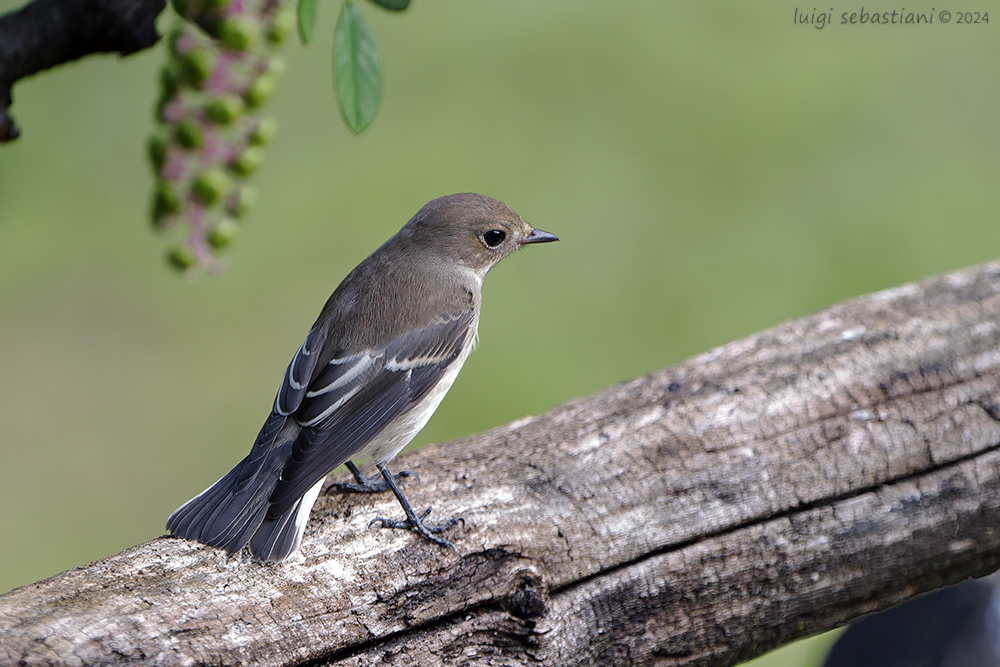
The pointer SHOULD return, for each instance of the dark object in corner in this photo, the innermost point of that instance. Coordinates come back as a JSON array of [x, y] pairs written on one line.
[[955, 626]]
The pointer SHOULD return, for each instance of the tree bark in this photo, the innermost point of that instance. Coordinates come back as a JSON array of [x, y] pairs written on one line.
[[772, 488], [46, 33]]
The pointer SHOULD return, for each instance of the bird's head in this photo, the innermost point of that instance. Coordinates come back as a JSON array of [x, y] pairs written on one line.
[[473, 230]]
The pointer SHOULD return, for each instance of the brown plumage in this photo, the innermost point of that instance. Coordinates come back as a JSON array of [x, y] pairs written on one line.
[[384, 351]]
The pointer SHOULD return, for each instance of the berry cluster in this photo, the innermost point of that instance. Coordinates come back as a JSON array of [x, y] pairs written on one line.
[[212, 134]]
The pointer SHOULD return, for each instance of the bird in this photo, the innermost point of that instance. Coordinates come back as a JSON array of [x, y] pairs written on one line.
[[372, 370]]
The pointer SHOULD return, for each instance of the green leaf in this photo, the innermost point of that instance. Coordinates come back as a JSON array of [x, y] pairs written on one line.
[[394, 5], [307, 19], [357, 75]]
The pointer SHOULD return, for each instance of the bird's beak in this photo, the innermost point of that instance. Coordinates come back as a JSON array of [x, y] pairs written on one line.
[[538, 236]]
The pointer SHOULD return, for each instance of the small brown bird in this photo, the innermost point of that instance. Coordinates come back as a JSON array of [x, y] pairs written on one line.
[[382, 354]]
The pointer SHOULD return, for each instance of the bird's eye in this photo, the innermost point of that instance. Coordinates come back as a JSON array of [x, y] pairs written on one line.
[[494, 237]]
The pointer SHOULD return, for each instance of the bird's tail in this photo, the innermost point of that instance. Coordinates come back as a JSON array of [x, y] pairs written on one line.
[[226, 514], [277, 539], [232, 513]]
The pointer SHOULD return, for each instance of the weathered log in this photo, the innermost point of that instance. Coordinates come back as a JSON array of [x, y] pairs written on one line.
[[774, 487]]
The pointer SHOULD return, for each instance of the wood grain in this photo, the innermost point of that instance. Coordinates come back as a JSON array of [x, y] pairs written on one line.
[[771, 488]]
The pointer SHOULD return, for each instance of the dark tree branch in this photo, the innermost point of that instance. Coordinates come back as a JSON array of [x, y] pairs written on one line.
[[46, 33], [775, 487]]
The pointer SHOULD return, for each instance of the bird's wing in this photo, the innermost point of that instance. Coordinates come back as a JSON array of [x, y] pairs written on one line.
[[227, 514], [353, 397], [300, 372], [290, 394]]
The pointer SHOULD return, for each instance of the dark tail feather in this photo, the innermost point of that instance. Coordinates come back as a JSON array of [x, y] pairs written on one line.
[[227, 514], [277, 539]]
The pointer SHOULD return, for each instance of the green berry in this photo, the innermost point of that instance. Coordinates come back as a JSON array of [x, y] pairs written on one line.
[[180, 258], [165, 201], [197, 64], [277, 65], [174, 37], [157, 151], [180, 6], [240, 33], [189, 134], [242, 201], [169, 76], [248, 160], [161, 105], [260, 90], [264, 131], [210, 185], [282, 25], [223, 233], [225, 109]]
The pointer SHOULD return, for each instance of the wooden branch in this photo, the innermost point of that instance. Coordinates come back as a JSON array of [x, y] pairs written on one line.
[[46, 33], [774, 487]]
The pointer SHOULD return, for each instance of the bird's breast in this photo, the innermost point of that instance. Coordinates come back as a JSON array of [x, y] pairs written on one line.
[[404, 428]]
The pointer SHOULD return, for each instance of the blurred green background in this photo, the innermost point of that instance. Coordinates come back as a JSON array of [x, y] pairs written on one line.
[[711, 169]]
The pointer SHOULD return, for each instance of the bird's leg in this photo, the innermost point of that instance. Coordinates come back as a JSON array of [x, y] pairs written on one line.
[[368, 484], [413, 521]]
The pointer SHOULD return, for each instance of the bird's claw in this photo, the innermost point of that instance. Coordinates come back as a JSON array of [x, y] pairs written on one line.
[[421, 527], [370, 484]]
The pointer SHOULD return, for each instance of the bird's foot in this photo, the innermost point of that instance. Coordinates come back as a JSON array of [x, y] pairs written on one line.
[[416, 523], [368, 484]]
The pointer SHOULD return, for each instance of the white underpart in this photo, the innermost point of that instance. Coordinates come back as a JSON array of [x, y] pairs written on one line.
[[478, 276], [305, 507], [384, 447]]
